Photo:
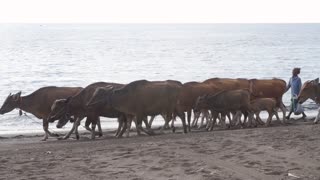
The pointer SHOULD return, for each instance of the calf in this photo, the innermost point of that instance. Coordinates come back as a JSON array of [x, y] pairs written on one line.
[[265, 104]]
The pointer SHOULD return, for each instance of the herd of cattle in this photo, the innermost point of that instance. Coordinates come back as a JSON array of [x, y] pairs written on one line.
[[222, 97]]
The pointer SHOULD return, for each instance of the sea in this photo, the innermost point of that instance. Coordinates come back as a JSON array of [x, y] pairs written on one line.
[[37, 55]]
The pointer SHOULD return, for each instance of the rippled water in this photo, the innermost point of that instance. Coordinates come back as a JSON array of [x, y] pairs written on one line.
[[37, 55]]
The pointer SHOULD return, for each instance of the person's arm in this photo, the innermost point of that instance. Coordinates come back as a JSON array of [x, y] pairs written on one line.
[[289, 85]]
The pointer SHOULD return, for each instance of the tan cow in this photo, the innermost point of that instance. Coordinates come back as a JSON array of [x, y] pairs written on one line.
[[264, 104], [311, 89], [39, 103]]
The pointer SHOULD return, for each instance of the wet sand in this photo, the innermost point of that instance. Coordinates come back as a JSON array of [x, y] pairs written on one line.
[[277, 152]]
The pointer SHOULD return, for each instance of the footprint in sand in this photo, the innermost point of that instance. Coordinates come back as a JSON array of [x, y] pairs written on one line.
[[228, 156]]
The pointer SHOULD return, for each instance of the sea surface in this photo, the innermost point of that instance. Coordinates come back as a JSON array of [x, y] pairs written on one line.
[[37, 55]]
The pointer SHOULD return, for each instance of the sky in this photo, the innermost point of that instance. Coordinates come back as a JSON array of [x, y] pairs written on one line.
[[159, 11]]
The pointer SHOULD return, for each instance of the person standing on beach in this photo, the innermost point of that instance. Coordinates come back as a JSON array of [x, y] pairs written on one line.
[[295, 85]]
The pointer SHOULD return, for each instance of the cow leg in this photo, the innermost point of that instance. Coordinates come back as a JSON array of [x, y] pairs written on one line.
[[87, 124], [317, 117], [166, 122], [129, 123], [207, 117], [74, 126], [209, 121], [269, 119], [151, 121], [204, 116], [249, 123], [245, 115], [251, 119], [77, 123], [172, 124], [120, 124], [283, 109], [189, 119], [238, 119], [182, 116], [123, 121], [195, 119], [259, 120], [93, 126], [229, 117], [99, 127], [275, 112], [215, 116], [202, 121], [146, 123], [139, 126], [45, 125]]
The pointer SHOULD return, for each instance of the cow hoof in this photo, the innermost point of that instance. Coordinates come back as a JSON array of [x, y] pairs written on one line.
[[77, 137], [173, 129], [55, 135], [63, 138], [118, 137], [315, 122], [44, 139]]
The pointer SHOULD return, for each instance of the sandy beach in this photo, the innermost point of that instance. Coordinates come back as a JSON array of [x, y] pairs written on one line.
[[276, 152]]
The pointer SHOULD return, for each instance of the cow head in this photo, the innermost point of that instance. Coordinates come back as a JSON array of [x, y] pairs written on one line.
[[13, 101], [201, 103], [309, 90], [59, 110], [101, 96]]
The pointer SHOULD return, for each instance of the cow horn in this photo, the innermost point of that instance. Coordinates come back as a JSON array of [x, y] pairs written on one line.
[[17, 96]]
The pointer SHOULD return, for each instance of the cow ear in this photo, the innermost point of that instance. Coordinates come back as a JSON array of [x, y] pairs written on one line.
[[316, 80]]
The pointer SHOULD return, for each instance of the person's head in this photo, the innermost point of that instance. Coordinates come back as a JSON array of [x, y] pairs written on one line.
[[295, 71]]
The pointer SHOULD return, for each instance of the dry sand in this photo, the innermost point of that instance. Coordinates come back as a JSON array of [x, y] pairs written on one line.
[[277, 152]]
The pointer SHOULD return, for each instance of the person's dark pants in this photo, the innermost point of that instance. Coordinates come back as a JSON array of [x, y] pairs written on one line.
[[293, 106]]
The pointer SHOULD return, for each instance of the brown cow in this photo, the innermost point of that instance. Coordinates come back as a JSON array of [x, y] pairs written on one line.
[[188, 95], [77, 105], [144, 98], [311, 89], [38, 103], [269, 88], [192, 90], [225, 102]]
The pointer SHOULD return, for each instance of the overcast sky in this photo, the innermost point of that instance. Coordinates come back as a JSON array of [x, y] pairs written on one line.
[[159, 11]]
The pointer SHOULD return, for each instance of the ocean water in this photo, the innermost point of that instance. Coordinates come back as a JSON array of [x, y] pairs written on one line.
[[37, 55]]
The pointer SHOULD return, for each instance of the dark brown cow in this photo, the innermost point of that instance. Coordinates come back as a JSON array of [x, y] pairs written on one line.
[[97, 101], [225, 102], [144, 98], [77, 105], [38, 103]]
